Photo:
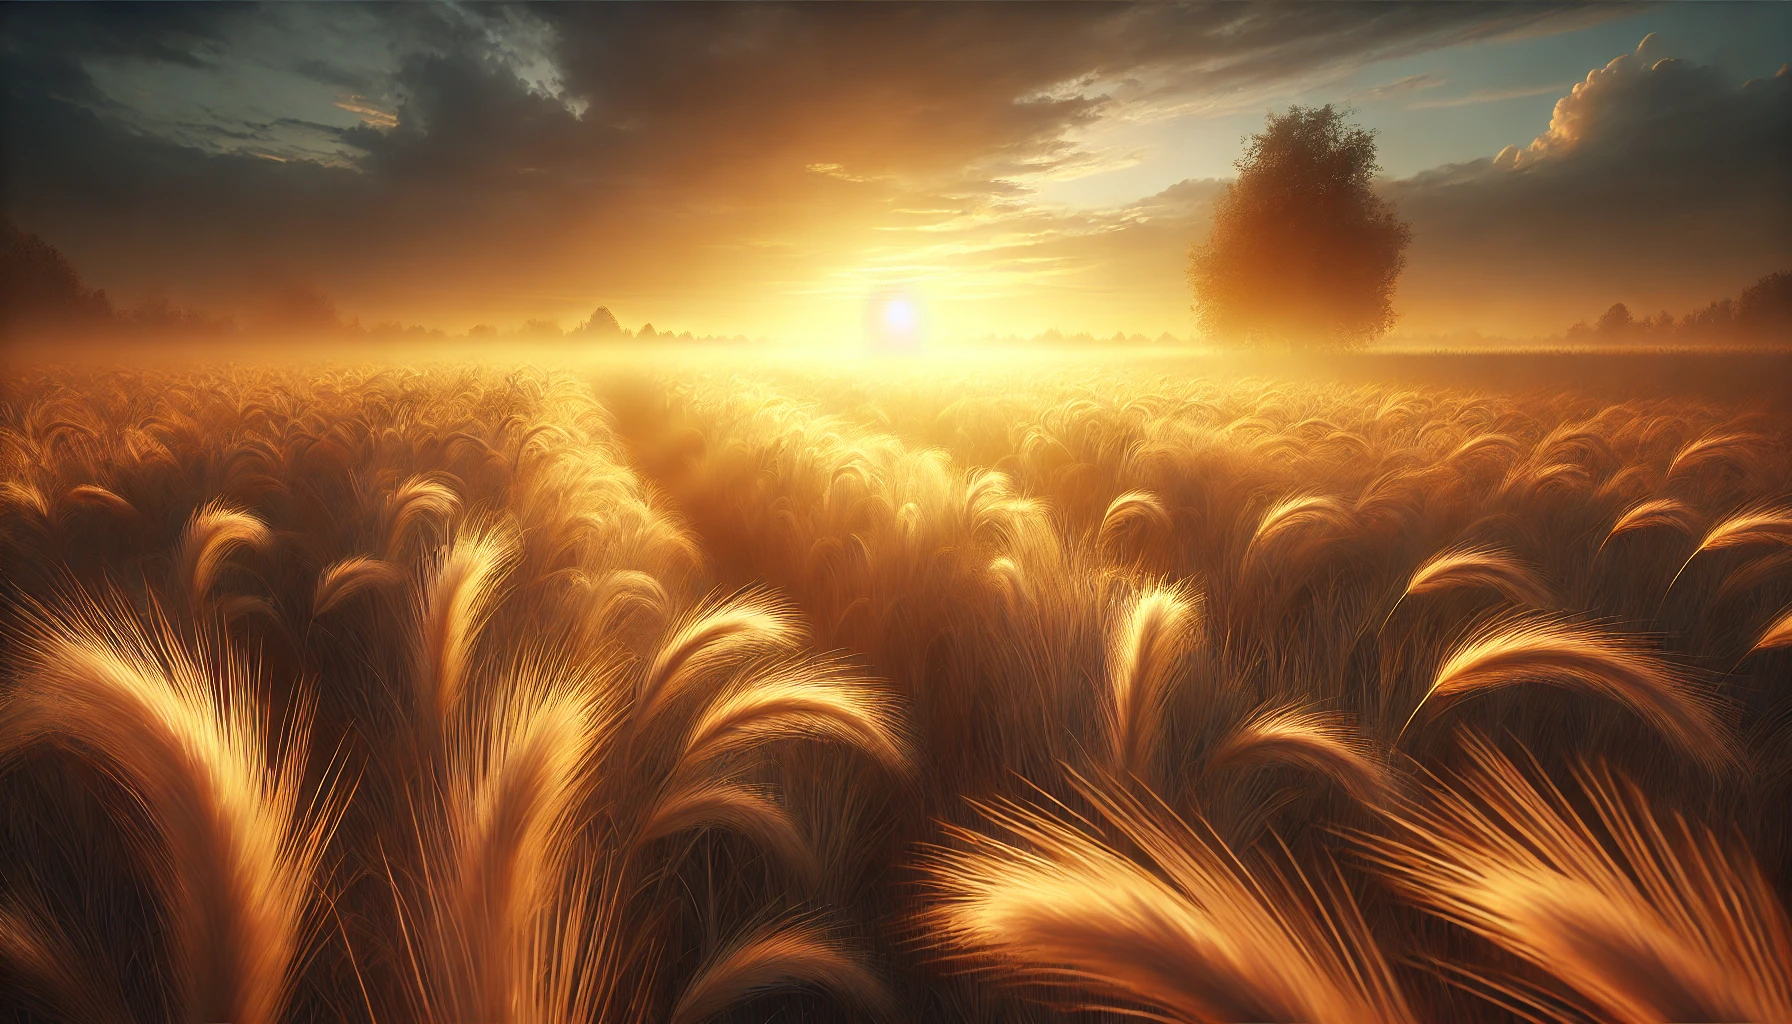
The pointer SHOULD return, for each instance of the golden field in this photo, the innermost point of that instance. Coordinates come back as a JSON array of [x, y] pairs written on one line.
[[893, 693]]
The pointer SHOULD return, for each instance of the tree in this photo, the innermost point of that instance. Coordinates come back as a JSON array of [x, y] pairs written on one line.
[[39, 286], [1716, 319], [1765, 307], [602, 323], [301, 307], [1763, 312], [1616, 321], [1302, 250]]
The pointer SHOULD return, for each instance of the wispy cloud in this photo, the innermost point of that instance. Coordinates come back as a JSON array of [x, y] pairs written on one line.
[[371, 115], [1488, 96], [839, 171], [1402, 87]]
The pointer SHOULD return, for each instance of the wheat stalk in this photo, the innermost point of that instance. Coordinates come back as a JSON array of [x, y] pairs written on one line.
[[1470, 567], [796, 700], [344, 579], [1143, 648], [1659, 512], [516, 779], [1193, 936], [238, 847], [716, 634], [213, 534], [1130, 511], [1292, 515], [1319, 741], [1555, 651], [95, 496], [780, 956], [1661, 924], [457, 598], [1778, 634], [1766, 525], [416, 503], [1712, 446], [749, 810]]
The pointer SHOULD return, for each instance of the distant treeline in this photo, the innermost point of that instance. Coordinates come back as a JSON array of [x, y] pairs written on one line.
[[1763, 312], [602, 326], [40, 290]]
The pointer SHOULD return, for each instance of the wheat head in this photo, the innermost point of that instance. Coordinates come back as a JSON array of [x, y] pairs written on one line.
[[350, 576], [1558, 652], [1660, 924], [458, 596], [212, 535], [1318, 741], [780, 955], [238, 841], [1144, 645], [1659, 512], [1193, 936], [1490, 568], [716, 634]]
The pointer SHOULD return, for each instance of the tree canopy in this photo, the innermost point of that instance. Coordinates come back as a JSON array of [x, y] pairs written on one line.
[[602, 323], [38, 284], [1302, 250]]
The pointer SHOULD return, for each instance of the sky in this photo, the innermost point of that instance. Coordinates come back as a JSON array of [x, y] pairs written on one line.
[[768, 169]]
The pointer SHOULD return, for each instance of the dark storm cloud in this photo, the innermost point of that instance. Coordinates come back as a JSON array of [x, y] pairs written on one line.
[[1657, 182], [173, 33], [907, 89], [44, 44], [899, 86], [730, 92]]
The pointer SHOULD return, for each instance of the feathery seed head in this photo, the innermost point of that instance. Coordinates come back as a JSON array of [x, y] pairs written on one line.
[[1556, 651], [1480, 567], [1144, 645], [215, 532], [1661, 924]]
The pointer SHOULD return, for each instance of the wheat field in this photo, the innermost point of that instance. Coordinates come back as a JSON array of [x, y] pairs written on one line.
[[705, 692]]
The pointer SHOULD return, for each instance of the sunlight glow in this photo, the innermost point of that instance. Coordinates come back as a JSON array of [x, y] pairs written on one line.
[[894, 322], [899, 316]]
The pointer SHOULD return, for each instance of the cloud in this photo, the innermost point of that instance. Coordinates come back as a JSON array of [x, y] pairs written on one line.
[[1479, 96], [1656, 182], [371, 116], [1402, 87], [452, 163]]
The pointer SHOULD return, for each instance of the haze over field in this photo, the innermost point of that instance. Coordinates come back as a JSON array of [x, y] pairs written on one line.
[[763, 170]]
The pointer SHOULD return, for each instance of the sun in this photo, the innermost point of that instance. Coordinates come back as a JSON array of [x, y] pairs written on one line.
[[899, 316], [894, 321]]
